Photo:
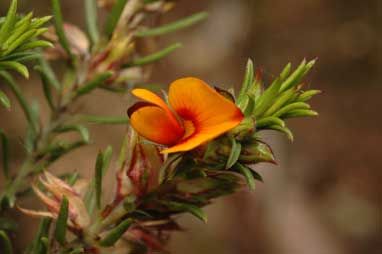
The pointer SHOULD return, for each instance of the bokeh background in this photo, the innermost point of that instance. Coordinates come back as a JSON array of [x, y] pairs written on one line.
[[325, 195]]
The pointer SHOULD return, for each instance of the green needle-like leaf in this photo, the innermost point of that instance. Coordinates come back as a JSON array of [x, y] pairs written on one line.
[[290, 107], [62, 220], [59, 25], [184, 207], [234, 154], [104, 119], [113, 17], [37, 246], [116, 233], [4, 100], [98, 178], [247, 173], [35, 44], [4, 153], [94, 83], [300, 113], [307, 95], [46, 70], [284, 130], [267, 98], [92, 20], [280, 101], [265, 122], [155, 56], [19, 96], [9, 22], [12, 65], [82, 130], [175, 26], [248, 80]]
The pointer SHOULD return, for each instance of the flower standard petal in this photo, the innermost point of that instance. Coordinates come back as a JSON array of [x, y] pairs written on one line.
[[210, 113]]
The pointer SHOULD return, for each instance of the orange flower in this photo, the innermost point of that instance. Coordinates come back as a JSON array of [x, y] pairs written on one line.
[[197, 114]]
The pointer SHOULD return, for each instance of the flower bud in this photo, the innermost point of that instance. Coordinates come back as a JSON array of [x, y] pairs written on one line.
[[56, 189], [77, 39]]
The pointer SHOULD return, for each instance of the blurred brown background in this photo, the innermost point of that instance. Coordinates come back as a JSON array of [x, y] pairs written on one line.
[[325, 196]]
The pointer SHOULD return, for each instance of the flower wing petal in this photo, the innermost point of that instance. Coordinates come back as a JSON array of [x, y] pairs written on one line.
[[155, 123], [212, 114]]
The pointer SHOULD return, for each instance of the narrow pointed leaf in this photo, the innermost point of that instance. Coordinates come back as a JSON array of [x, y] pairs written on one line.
[[263, 123], [155, 56], [300, 113], [46, 70], [4, 153], [19, 96], [12, 65], [279, 102], [184, 207], [59, 25], [94, 83], [175, 26], [297, 75], [248, 80], [308, 94], [285, 72], [113, 17], [92, 20], [37, 246], [267, 98], [284, 130], [98, 179], [246, 172], [82, 130], [62, 220], [234, 154], [4, 100], [116, 233], [104, 119], [35, 44], [9, 22], [293, 106]]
